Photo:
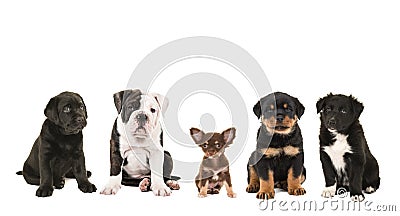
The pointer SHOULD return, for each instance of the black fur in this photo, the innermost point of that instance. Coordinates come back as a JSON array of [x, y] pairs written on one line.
[[58, 151], [340, 113], [281, 162]]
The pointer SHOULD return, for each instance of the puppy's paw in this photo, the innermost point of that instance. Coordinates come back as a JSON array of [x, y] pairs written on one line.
[[265, 195], [231, 195], [329, 192], [174, 185], [44, 191], [297, 191], [87, 187], [370, 190], [111, 189], [144, 185], [253, 188], [202, 195], [60, 184], [160, 189], [357, 197]]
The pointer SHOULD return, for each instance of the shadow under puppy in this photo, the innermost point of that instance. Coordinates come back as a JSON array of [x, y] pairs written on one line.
[[214, 169], [58, 151], [344, 153], [279, 157]]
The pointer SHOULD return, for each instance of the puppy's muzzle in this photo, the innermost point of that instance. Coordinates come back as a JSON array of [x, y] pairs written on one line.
[[331, 123], [76, 125]]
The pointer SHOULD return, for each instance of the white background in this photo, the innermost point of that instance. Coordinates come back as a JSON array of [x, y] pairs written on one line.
[[306, 48]]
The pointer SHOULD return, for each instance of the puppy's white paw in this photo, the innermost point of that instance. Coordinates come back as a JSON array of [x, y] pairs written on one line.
[[329, 192], [160, 189], [369, 189], [111, 189], [357, 198]]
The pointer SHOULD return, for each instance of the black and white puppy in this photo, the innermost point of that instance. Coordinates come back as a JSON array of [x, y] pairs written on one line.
[[346, 159], [136, 149], [57, 152]]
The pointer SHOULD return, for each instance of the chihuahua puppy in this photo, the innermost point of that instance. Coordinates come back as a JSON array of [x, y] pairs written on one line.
[[214, 169]]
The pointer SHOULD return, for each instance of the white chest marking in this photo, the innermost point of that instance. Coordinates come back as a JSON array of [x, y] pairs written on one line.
[[336, 151]]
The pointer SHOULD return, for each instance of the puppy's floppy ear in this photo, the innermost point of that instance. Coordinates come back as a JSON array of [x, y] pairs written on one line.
[[257, 109], [358, 107], [229, 134], [51, 111], [299, 108], [162, 101], [118, 97], [197, 135], [321, 103]]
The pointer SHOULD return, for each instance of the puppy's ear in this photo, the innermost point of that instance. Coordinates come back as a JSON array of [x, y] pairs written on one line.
[[358, 107], [162, 101], [257, 109], [299, 108], [229, 134], [118, 97], [197, 135], [320, 104], [51, 111]]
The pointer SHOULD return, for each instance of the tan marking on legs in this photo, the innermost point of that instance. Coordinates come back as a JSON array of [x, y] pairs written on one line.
[[203, 190], [254, 181], [294, 184], [229, 190], [267, 187]]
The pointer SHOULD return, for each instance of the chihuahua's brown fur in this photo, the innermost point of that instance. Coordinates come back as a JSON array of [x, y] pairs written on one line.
[[214, 169]]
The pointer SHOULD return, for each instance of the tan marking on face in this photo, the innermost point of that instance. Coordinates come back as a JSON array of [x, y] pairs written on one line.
[[271, 152], [291, 151], [267, 187], [294, 184], [272, 106], [285, 106]]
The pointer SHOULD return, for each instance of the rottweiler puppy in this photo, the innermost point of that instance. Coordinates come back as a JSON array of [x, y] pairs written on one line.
[[279, 157]]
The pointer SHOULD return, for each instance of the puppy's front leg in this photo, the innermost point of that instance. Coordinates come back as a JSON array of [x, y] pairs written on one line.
[[114, 183], [46, 177], [228, 185], [79, 170], [156, 161]]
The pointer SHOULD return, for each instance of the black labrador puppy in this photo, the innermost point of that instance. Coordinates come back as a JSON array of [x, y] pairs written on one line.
[[58, 151]]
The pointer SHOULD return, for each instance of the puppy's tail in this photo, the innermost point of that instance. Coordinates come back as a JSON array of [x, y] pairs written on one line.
[[19, 173]]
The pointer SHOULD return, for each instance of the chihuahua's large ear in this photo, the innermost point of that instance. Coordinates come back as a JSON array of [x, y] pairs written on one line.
[[51, 111], [257, 109], [299, 108], [358, 107], [321, 103], [229, 134], [162, 101], [197, 135]]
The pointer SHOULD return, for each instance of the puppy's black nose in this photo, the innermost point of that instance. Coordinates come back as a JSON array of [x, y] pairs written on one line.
[[332, 122], [80, 119], [141, 117], [279, 118]]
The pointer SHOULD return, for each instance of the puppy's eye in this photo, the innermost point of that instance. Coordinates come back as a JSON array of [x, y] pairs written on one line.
[[343, 111], [82, 107], [288, 110], [152, 110], [204, 145], [327, 109], [217, 145], [270, 110], [130, 107], [67, 109]]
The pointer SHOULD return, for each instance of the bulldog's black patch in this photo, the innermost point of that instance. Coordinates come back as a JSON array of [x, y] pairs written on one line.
[[127, 102], [278, 159], [59, 149], [355, 167]]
